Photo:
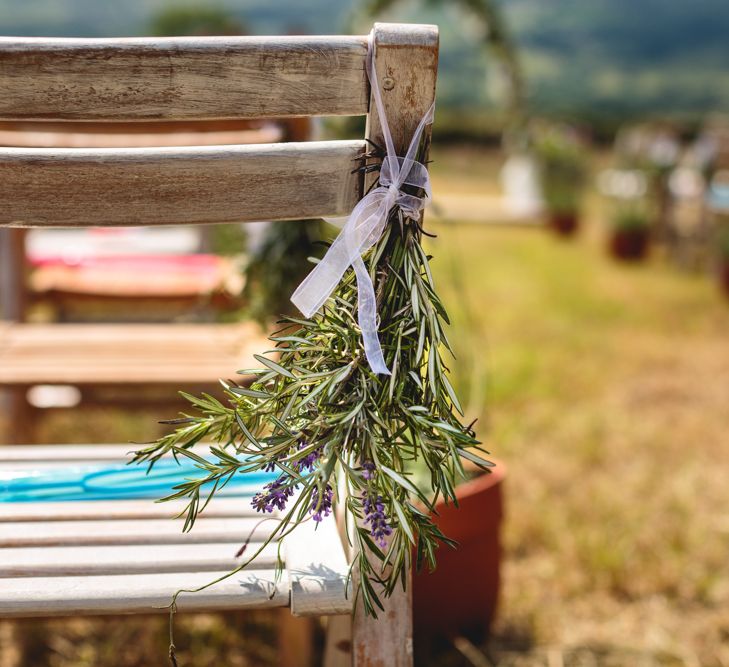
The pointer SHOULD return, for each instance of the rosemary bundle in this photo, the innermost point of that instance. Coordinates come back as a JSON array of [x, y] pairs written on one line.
[[338, 434]]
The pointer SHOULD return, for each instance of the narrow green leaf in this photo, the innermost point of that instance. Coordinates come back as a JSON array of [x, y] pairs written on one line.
[[402, 481], [483, 463], [249, 393], [452, 394], [278, 368], [403, 522]]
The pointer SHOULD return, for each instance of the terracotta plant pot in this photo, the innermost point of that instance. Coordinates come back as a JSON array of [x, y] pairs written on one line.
[[459, 597], [724, 276], [630, 245], [564, 224]]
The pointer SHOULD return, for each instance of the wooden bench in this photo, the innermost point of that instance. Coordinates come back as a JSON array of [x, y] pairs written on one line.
[[201, 78], [112, 363], [76, 557]]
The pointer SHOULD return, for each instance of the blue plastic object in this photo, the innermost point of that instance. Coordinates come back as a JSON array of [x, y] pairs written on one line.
[[114, 482], [718, 196]]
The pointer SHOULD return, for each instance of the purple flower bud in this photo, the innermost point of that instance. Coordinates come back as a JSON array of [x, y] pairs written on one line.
[[274, 496], [307, 462], [374, 509], [368, 470], [324, 508]]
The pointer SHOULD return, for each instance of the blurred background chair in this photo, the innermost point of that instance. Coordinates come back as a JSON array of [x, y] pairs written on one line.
[[121, 276]]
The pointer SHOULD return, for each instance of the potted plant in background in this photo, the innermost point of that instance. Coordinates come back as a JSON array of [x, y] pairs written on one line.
[[447, 604], [279, 257], [630, 233], [562, 174], [654, 150], [723, 256]]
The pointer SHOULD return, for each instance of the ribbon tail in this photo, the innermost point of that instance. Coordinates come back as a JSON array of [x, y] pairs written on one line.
[[367, 318], [315, 289], [359, 233]]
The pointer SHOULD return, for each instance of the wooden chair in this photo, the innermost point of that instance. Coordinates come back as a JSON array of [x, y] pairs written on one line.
[[109, 295], [108, 558]]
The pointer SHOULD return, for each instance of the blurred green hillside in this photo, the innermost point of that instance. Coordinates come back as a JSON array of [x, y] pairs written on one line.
[[599, 58]]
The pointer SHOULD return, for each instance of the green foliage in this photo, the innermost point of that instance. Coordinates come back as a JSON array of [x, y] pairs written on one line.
[[226, 239], [318, 415], [629, 216], [278, 265], [562, 168], [195, 20], [619, 58], [722, 241]]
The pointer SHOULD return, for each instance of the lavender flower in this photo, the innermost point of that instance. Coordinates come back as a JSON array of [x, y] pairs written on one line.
[[374, 509], [307, 463], [274, 496], [368, 470], [324, 508]]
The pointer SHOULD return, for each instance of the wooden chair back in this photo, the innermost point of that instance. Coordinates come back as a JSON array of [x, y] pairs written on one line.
[[138, 80]]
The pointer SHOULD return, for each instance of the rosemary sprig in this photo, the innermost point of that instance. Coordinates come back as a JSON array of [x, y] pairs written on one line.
[[315, 412]]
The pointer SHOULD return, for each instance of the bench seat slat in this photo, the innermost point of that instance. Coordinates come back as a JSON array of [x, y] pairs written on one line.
[[127, 559], [182, 78], [177, 186], [98, 354], [117, 509], [127, 556], [318, 570], [148, 531], [139, 593]]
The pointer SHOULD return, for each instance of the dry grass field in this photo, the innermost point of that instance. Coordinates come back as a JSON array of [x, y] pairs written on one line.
[[605, 390]]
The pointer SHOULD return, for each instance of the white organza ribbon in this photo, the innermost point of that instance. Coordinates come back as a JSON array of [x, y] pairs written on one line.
[[365, 226]]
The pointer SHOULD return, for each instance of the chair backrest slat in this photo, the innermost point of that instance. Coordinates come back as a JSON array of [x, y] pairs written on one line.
[[157, 186], [207, 78], [182, 78]]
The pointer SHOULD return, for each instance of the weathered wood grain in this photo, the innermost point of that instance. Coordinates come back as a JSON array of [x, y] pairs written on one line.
[[190, 185], [406, 63], [122, 531], [139, 593], [407, 67], [12, 275], [181, 78], [130, 354], [111, 510], [318, 570], [126, 559]]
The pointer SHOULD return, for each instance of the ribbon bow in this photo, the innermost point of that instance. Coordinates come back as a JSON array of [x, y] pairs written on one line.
[[365, 226]]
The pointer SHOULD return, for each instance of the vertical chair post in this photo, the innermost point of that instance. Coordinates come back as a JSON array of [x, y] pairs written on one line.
[[12, 270], [406, 64], [12, 308]]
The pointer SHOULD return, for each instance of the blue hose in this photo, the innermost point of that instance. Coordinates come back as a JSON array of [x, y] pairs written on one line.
[[115, 482]]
